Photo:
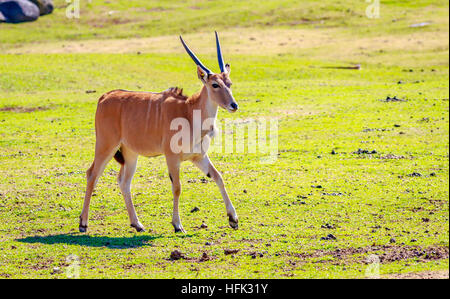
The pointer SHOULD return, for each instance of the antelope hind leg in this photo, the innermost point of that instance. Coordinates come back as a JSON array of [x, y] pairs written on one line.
[[124, 179]]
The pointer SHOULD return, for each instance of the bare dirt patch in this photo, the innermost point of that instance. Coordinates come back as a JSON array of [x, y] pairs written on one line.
[[392, 157], [443, 274], [386, 253], [176, 255], [230, 251], [318, 43], [133, 266], [105, 22], [243, 41], [20, 109], [43, 264]]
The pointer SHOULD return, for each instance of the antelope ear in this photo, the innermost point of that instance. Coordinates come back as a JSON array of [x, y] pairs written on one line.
[[228, 68], [202, 75]]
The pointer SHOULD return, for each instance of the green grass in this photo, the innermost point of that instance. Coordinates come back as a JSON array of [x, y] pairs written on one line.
[[147, 18], [367, 198]]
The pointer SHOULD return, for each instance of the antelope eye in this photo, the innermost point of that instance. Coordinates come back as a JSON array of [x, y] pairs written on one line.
[[215, 85]]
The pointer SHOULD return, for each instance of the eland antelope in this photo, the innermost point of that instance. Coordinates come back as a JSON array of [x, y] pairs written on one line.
[[130, 123]]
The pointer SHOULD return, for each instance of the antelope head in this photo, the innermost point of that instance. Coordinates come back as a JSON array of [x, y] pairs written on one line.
[[218, 85]]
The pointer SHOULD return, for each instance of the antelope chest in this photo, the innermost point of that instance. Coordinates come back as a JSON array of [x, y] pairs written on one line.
[[201, 144]]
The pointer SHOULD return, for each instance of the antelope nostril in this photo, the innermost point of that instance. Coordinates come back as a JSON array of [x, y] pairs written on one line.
[[234, 106]]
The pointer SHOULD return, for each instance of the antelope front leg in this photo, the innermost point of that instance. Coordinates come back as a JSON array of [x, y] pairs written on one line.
[[208, 168], [173, 164]]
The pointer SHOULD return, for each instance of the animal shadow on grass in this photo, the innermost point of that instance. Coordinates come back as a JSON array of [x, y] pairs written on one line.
[[93, 241]]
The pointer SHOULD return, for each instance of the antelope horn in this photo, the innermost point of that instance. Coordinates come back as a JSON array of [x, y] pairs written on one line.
[[219, 54], [196, 60]]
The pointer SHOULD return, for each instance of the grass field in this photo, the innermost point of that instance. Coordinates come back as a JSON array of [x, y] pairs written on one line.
[[285, 58]]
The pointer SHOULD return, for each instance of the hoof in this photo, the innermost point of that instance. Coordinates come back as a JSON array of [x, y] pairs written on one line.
[[82, 228], [138, 228], [179, 230], [233, 222]]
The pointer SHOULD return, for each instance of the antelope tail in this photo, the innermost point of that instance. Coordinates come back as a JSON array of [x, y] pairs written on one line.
[[119, 157]]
